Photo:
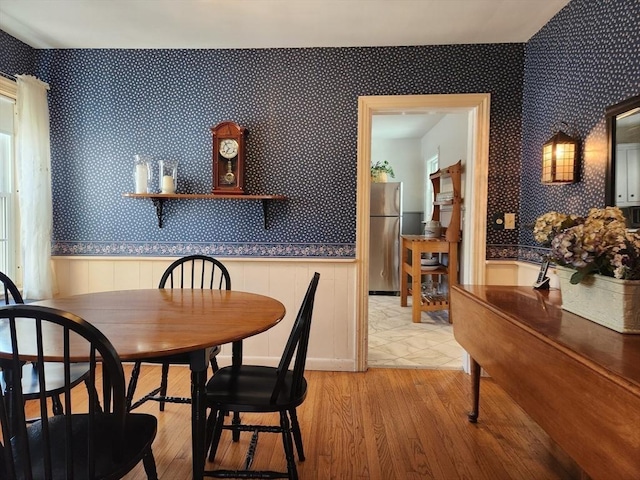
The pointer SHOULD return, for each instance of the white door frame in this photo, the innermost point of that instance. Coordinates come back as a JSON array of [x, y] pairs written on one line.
[[476, 170]]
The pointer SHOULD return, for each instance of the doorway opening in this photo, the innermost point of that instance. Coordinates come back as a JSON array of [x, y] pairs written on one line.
[[475, 191]]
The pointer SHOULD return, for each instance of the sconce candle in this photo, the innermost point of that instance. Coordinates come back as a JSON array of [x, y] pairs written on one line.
[[168, 175], [167, 184], [142, 174], [141, 179]]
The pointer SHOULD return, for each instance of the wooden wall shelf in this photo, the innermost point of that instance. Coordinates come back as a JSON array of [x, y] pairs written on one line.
[[158, 200]]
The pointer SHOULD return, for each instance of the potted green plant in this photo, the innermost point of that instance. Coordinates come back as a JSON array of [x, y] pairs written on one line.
[[380, 170]]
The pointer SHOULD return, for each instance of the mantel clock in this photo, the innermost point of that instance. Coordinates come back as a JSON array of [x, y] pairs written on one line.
[[229, 153]]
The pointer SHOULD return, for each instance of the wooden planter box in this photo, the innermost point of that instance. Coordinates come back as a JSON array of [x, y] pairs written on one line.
[[604, 300]]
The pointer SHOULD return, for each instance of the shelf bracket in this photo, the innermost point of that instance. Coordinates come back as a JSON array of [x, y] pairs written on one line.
[[157, 202]]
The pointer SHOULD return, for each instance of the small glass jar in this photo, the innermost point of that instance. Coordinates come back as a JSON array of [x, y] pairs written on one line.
[[168, 175], [142, 174]]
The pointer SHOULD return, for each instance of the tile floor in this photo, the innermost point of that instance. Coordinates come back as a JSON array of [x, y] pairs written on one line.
[[395, 341]]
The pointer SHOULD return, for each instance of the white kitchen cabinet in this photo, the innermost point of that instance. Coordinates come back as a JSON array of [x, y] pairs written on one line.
[[627, 175]]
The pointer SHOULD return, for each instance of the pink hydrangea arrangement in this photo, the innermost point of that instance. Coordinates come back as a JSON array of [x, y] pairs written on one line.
[[598, 243], [550, 224]]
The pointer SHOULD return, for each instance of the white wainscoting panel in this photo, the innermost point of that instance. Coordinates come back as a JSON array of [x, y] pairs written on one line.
[[332, 344], [511, 272]]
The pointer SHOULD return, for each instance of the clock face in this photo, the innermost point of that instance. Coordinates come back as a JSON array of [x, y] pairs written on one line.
[[228, 148]]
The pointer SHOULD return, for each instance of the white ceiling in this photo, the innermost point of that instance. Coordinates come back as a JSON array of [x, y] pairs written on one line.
[[271, 23], [411, 125]]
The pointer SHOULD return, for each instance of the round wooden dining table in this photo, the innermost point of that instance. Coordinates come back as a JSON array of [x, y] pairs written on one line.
[[156, 322]]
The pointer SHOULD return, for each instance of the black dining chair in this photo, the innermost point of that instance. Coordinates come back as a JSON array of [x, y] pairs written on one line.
[[84, 442], [29, 375], [261, 389], [193, 271]]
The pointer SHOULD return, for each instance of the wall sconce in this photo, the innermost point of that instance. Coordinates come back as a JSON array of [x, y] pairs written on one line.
[[560, 159]]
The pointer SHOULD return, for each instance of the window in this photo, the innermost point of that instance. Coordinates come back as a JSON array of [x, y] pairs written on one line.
[[431, 166], [9, 226]]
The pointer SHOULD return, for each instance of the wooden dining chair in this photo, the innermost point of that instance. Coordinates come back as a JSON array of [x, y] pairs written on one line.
[[84, 442], [261, 389], [193, 271], [29, 375]]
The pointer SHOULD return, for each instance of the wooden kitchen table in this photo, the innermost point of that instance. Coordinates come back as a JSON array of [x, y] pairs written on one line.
[[578, 380], [156, 322]]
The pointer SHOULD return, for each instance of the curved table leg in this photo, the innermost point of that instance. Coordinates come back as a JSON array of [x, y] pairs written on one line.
[[476, 370]]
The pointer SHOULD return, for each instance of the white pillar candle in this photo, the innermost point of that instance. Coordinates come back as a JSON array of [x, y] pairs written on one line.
[[167, 184], [141, 178]]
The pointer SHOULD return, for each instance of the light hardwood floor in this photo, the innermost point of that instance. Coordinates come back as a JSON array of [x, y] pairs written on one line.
[[384, 424]]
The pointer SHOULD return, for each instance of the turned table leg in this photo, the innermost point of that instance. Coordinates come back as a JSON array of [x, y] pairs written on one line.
[[476, 370]]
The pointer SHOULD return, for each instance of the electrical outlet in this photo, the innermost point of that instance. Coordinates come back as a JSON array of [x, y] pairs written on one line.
[[497, 221], [509, 221]]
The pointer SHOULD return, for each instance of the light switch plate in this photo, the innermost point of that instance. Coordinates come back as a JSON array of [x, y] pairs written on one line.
[[509, 221]]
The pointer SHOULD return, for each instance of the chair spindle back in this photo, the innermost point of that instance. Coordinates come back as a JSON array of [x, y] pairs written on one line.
[[196, 271], [29, 332], [10, 290], [298, 343]]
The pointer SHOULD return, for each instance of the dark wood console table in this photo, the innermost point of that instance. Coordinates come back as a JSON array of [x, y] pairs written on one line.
[[578, 380]]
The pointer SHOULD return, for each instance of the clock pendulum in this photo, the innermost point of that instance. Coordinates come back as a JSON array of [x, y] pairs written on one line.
[[229, 177]]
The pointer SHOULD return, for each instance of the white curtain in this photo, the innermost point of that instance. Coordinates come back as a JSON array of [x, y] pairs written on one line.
[[33, 152]]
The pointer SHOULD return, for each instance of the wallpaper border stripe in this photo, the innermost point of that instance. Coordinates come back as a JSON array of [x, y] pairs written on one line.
[[162, 249]]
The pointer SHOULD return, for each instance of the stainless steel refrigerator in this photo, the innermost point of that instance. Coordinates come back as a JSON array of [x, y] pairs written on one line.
[[384, 237]]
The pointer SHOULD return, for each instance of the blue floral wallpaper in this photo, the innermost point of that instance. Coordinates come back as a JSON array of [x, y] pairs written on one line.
[[586, 58], [16, 57], [300, 107]]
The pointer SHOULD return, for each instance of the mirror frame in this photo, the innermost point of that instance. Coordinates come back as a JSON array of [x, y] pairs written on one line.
[[611, 113]]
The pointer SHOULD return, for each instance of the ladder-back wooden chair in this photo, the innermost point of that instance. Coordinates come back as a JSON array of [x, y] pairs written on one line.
[[261, 389], [193, 271], [84, 442], [29, 375]]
